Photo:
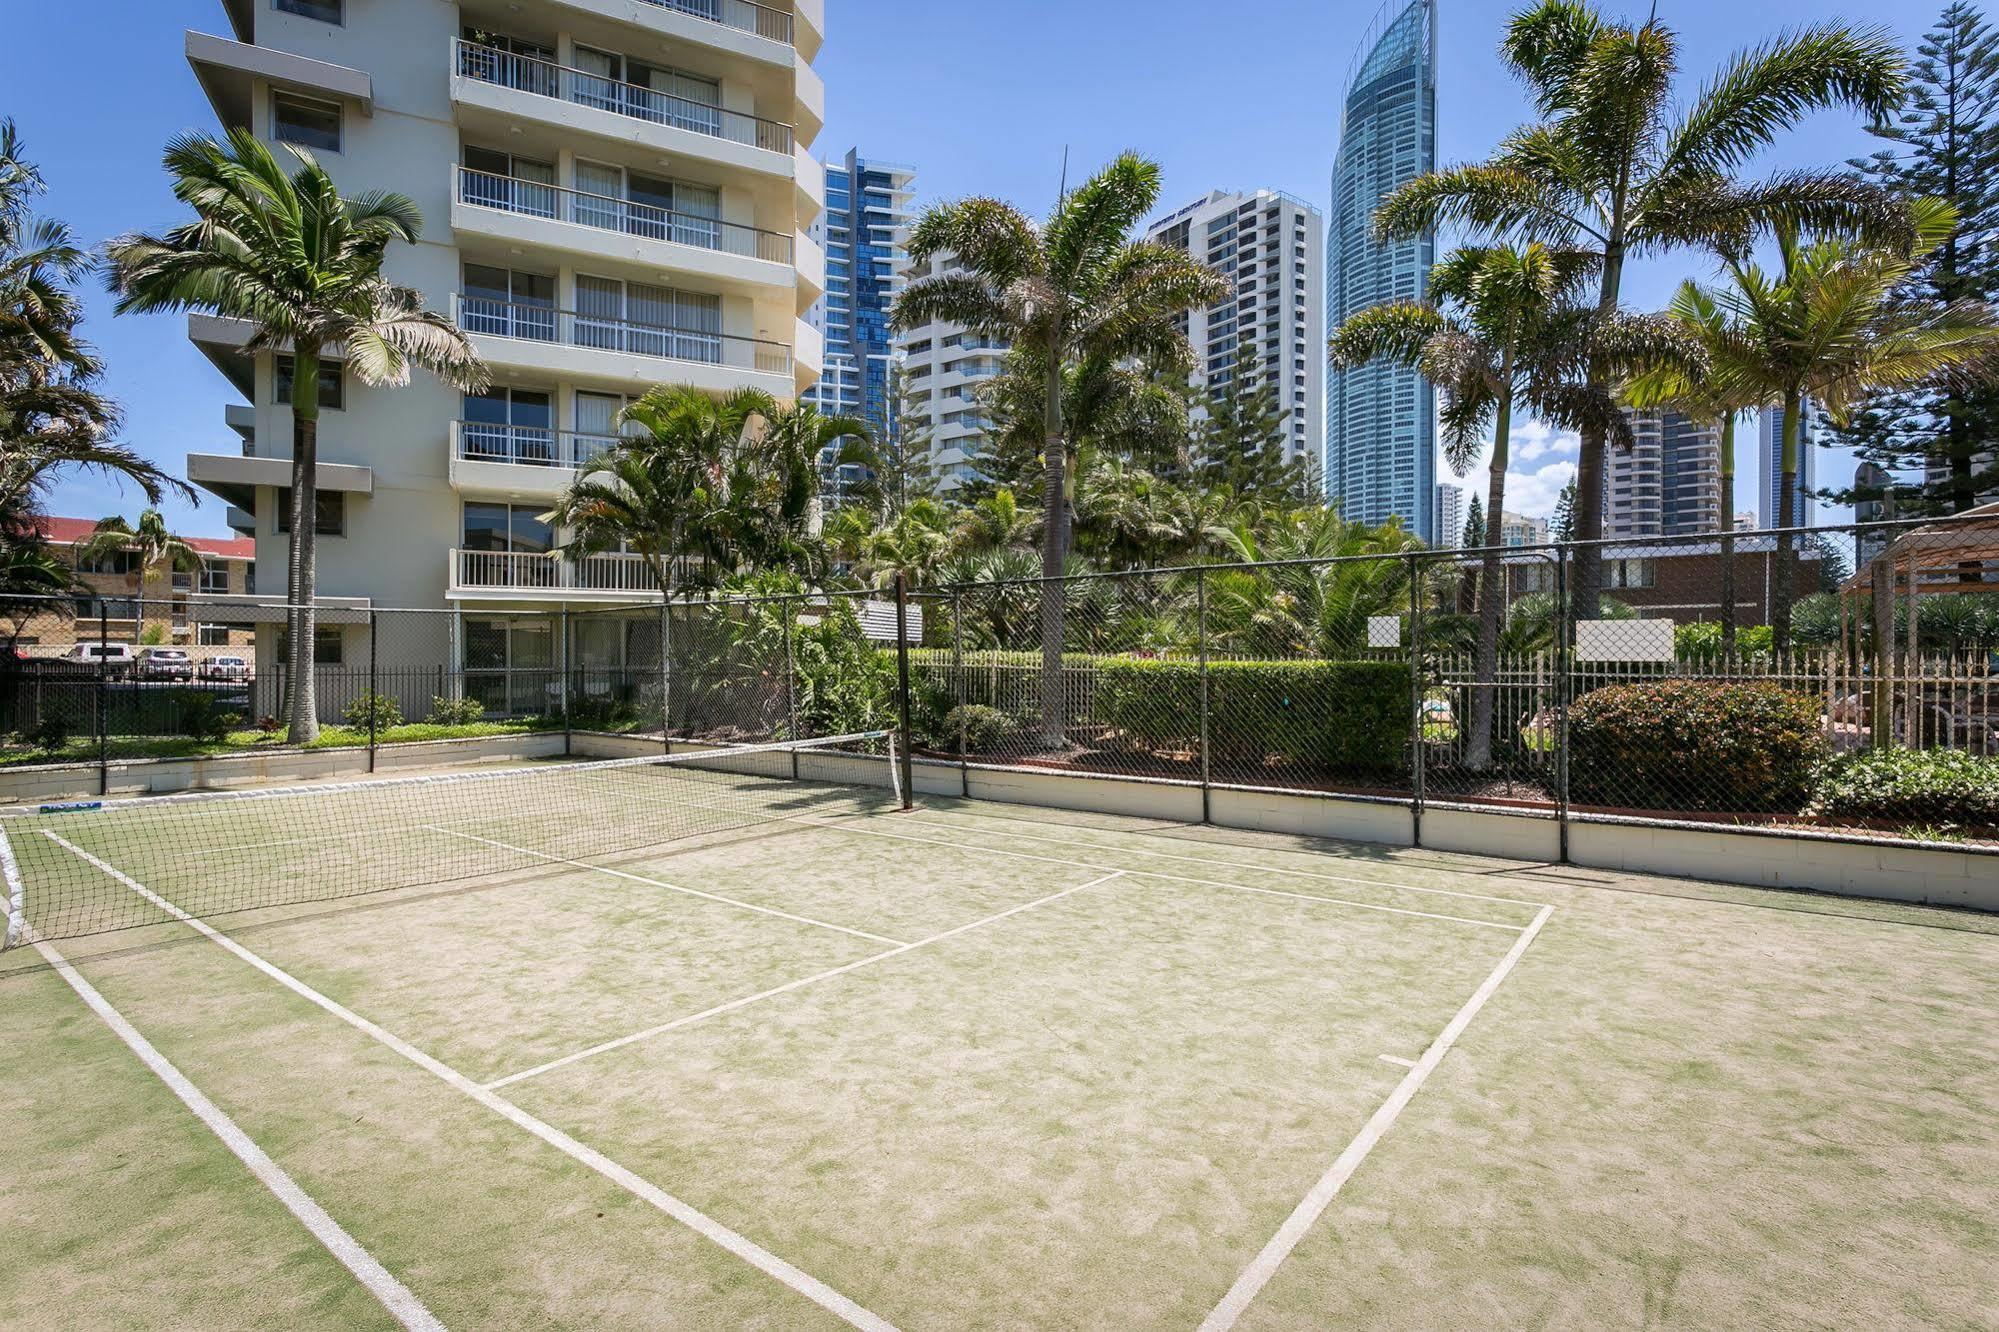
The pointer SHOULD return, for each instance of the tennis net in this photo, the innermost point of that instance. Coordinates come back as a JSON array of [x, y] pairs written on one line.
[[85, 868]]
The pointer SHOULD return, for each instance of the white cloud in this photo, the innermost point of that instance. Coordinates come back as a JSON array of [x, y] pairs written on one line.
[[1535, 493], [1540, 459], [1536, 440]]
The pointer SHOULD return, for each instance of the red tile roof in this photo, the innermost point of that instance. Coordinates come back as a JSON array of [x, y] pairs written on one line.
[[69, 531]]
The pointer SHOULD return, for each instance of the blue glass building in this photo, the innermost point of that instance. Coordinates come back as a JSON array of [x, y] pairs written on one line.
[[867, 206], [1381, 426]]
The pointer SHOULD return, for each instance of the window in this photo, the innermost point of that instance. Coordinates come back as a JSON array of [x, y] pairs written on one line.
[[212, 635], [305, 122], [214, 576], [326, 646], [330, 512], [508, 304], [326, 11], [1629, 573], [121, 562], [332, 394]]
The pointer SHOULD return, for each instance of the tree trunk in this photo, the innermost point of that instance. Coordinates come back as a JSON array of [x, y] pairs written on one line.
[[1787, 518], [302, 707], [1587, 525], [1055, 546], [1728, 537], [1492, 595]]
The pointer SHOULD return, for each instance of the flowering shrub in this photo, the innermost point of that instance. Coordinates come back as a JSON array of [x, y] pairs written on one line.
[[1938, 786]]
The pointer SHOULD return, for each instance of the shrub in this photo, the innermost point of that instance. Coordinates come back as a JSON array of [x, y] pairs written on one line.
[[380, 708], [1695, 745], [52, 733], [1342, 715], [986, 730], [269, 725], [1938, 786], [1702, 642], [454, 711], [201, 716]]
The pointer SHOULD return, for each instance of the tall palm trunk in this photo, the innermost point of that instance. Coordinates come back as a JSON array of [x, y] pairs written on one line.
[[302, 703], [1054, 547], [1787, 518], [1728, 536], [1492, 592], [1587, 578]]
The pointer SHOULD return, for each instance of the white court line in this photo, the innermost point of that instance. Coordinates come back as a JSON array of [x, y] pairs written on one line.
[[1398, 1060], [747, 1000], [1151, 874], [661, 883], [1307, 1213], [811, 1287], [1235, 864], [397, 1298]]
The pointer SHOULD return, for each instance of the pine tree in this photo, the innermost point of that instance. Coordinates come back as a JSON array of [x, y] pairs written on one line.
[[1944, 142], [1474, 537], [1562, 526], [1241, 442]]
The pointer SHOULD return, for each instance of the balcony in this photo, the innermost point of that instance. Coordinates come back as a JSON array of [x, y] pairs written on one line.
[[545, 577], [521, 462], [593, 346], [510, 85]]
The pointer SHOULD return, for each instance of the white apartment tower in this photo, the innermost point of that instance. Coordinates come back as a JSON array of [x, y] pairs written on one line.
[[1668, 483], [1447, 517], [614, 195], [1271, 329], [945, 366]]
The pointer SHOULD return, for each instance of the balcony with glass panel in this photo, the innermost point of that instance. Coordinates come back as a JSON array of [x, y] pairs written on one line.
[[671, 112], [624, 218]]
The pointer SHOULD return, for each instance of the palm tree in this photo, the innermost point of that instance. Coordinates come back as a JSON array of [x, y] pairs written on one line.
[[154, 548], [997, 522], [1075, 291], [276, 244], [1618, 165], [1833, 324], [1506, 329]]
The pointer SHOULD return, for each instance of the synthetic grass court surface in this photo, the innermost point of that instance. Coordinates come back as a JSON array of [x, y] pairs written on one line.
[[984, 1065]]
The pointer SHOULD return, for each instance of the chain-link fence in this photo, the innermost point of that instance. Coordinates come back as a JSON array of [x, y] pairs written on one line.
[[1841, 680]]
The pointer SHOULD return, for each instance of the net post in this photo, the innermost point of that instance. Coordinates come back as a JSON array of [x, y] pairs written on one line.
[[17, 895], [1564, 683], [103, 700], [902, 688], [1415, 701], [665, 674], [787, 608], [374, 684], [1201, 633], [958, 689]]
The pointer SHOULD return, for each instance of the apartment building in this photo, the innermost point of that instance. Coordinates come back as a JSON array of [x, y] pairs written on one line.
[[862, 232], [119, 601], [1518, 529], [1381, 418], [1668, 483], [1770, 447], [943, 368], [1270, 331], [1447, 518], [615, 194]]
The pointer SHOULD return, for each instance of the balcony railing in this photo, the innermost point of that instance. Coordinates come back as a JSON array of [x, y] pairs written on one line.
[[542, 323], [762, 20], [545, 78], [531, 572], [530, 198], [524, 446]]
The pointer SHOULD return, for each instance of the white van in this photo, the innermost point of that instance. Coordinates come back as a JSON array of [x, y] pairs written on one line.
[[116, 658]]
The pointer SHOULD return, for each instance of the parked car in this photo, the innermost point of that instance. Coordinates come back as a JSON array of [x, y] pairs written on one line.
[[112, 658], [164, 663], [226, 668]]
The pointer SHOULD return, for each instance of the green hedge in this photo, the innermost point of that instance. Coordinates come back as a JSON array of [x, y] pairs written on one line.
[[1936, 786], [1331, 715], [1695, 745]]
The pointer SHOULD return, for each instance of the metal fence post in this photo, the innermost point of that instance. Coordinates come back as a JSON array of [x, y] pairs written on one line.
[[1564, 683], [665, 674], [374, 691], [902, 688], [103, 701], [1201, 648], [567, 685], [1415, 702], [958, 689], [786, 609]]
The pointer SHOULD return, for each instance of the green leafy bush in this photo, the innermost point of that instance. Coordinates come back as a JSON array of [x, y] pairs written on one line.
[[52, 733], [385, 712], [986, 730], [453, 711], [1328, 715], [1694, 745], [1702, 642], [1937, 786]]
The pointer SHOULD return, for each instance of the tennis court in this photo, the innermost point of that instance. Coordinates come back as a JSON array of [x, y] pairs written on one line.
[[736, 1040]]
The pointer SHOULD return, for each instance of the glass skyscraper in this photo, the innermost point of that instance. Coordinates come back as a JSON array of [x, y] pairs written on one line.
[[867, 206], [1381, 422]]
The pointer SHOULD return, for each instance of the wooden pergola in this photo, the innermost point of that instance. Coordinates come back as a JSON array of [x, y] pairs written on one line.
[[1943, 558]]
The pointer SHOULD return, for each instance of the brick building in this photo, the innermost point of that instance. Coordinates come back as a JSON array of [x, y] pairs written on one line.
[[117, 602]]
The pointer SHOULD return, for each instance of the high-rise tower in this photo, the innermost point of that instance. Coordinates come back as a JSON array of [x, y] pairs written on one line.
[[1381, 422]]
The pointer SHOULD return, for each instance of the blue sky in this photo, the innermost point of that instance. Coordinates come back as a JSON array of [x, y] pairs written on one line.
[[1224, 95]]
